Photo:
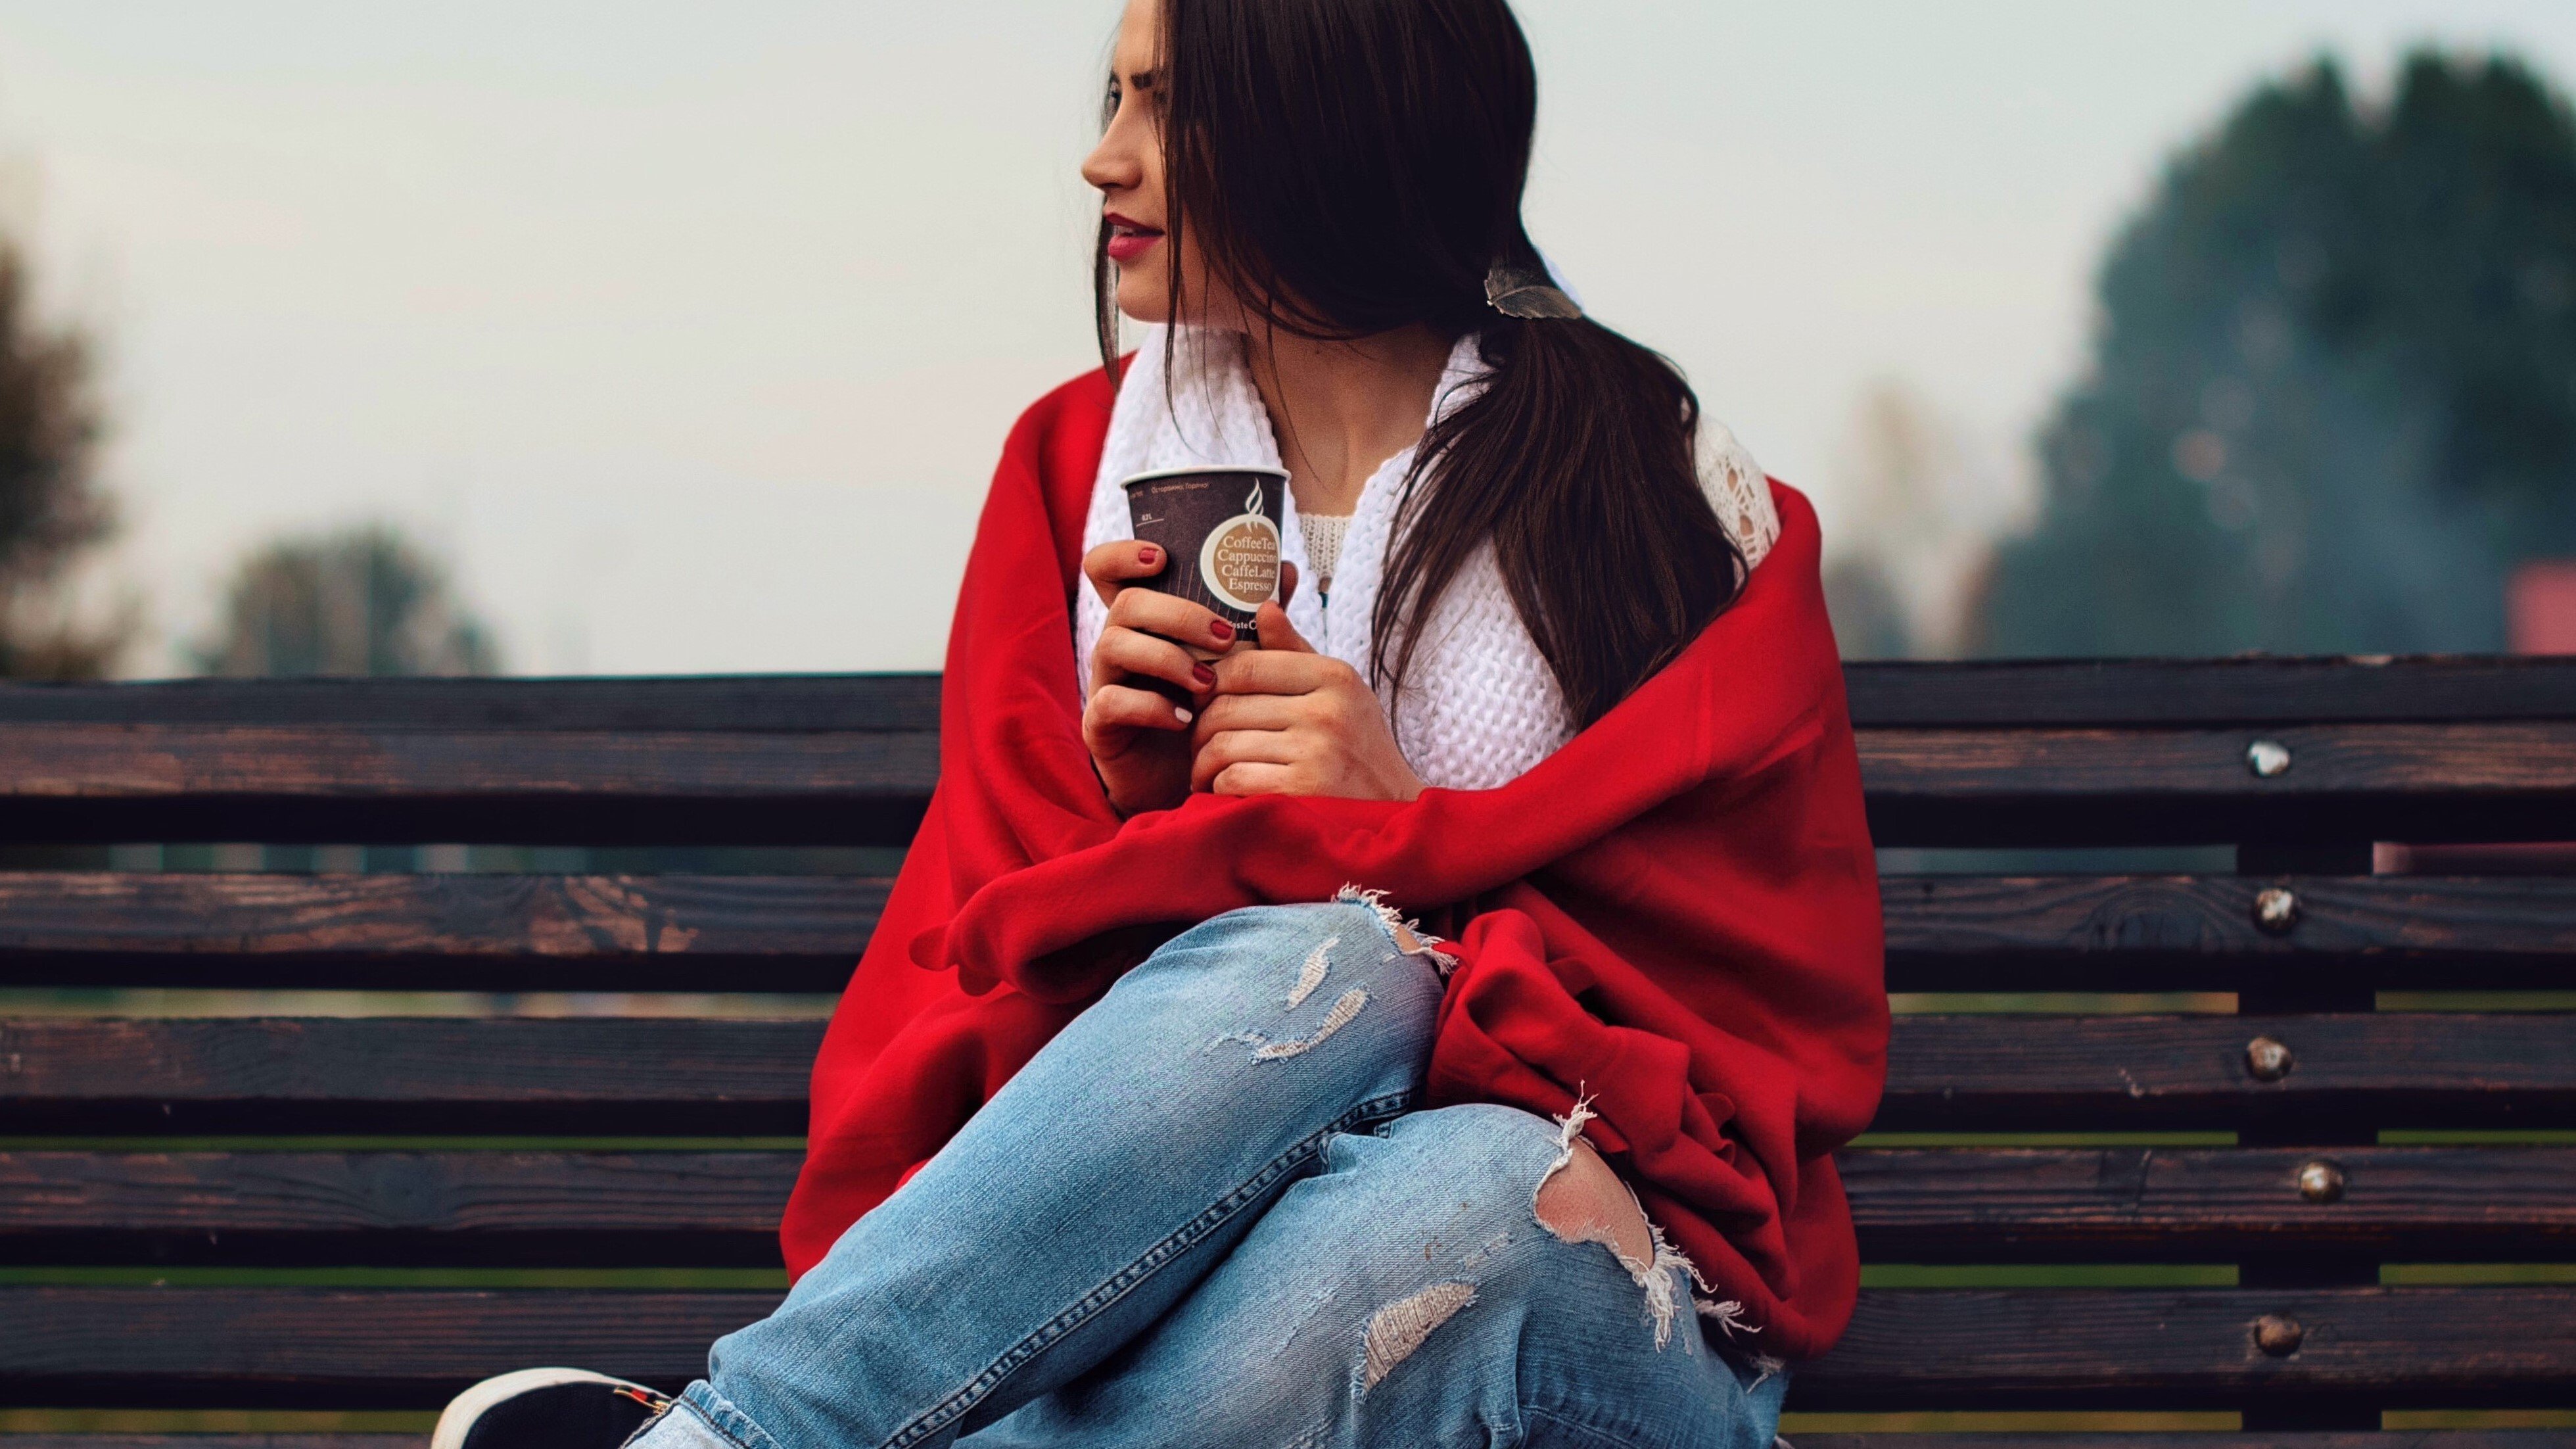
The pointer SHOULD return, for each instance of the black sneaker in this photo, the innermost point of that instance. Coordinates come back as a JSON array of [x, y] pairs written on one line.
[[547, 1408]]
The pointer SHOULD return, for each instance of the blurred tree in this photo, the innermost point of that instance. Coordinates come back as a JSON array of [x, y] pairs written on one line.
[[51, 508], [2333, 396], [359, 602]]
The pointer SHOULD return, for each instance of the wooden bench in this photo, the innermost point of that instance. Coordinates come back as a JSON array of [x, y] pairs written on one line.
[[2330, 1074]]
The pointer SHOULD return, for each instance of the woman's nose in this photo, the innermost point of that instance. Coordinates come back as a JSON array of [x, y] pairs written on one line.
[[1111, 165]]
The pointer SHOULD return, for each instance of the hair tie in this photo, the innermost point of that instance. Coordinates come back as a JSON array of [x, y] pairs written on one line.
[[1517, 291]]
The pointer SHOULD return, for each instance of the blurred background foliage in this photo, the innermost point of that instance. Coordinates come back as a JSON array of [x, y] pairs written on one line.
[[360, 602], [2330, 406], [2334, 398]]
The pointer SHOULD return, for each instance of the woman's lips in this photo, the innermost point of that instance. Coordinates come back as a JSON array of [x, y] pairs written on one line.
[[1127, 240]]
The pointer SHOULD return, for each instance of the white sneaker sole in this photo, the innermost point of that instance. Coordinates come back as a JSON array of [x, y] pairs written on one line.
[[461, 1411]]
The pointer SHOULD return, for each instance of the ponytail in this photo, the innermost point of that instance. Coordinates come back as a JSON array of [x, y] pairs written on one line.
[[1575, 461]]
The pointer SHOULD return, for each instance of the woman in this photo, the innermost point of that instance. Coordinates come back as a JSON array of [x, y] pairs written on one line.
[[1148, 1119]]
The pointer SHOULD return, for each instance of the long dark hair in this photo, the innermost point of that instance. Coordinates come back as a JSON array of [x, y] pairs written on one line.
[[1355, 166]]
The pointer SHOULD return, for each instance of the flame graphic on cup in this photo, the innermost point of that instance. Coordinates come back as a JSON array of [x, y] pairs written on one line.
[[1252, 500]]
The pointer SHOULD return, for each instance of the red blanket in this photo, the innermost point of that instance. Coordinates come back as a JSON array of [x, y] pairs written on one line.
[[1675, 915]]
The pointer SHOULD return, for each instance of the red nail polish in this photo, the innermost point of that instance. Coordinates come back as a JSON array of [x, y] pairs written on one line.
[[1223, 631], [1204, 675], [1149, 554]]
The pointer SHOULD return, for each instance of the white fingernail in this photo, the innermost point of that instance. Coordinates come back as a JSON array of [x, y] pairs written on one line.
[[1184, 714]]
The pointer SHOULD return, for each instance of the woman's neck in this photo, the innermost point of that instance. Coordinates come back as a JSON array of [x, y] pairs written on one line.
[[1341, 409]]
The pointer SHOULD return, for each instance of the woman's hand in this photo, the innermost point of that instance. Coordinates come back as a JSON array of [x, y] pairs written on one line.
[[1139, 737], [1287, 720]]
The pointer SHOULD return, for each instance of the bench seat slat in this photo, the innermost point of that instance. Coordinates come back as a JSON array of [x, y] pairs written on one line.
[[2413, 1439], [2170, 933], [526, 932], [383, 782], [642, 1076], [2427, 782], [2189, 1439], [108, 782], [445, 932], [631, 1076], [1988, 1349], [688, 1208]]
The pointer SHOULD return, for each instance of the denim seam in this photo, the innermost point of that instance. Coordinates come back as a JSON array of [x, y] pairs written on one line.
[[751, 1437], [1117, 1286], [1590, 1432]]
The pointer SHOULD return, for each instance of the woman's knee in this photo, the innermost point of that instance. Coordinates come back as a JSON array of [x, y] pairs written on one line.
[[1497, 1176], [1288, 977]]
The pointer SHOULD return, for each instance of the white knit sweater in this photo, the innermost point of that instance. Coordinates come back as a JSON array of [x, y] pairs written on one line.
[[1482, 706]]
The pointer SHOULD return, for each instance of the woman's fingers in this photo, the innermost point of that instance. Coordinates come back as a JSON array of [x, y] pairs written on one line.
[[1125, 653], [1224, 751], [1251, 712], [1277, 633], [1114, 565], [1279, 671], [1255, 778], [1152, 612], [1115, 708]]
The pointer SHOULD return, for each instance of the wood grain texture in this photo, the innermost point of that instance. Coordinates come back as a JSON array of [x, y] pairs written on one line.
[[295, 1441], [1891, 694], [2432, 782], [2206, 1440], [2390, 1068], [2399, 1439], [757, 703], [2410, 1204], [557, 1208], [2026, 692], [352, 1348], [436, 932], [1989, 933], [1987, 1349], [2195, 1349], [491, 1075], [77, 775], [1945, 932], [151, 781], [1950, 1072]]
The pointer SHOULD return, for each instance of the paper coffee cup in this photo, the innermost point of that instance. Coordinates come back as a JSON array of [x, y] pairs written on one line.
[[1219, 527]]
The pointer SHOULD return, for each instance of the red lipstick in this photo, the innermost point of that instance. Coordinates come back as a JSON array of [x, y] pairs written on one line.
[[1129, 240]]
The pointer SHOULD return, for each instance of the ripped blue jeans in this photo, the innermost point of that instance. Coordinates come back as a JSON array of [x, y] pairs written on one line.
[[1206, 1214]]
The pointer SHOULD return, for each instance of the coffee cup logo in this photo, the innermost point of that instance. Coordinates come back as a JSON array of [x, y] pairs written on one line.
[[1239, 563]]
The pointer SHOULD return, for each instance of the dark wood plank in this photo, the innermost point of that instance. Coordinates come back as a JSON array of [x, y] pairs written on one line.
[[800, 933], [264, 1441], [772, 703], [2206, 1440], [342, 1348], [628, 1076], [2430, 782], [2197, 1349], [1951, 1072], [2168, 933], [88, 782], [558, 1209], [2243, 691], [436, 932], [2411, 1204], [2389, 1068], [1890, 694], [1986, 1349]]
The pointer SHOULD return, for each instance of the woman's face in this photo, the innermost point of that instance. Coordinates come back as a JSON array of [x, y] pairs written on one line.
[[1127, 169]]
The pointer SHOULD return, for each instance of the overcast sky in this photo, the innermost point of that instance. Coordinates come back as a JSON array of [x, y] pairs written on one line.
[[689, 333]]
